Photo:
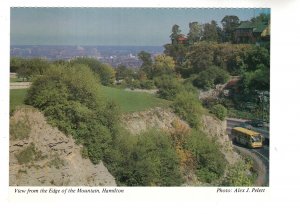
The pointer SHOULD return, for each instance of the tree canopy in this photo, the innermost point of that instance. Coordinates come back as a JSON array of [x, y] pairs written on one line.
[[195, 32], [229, 24]]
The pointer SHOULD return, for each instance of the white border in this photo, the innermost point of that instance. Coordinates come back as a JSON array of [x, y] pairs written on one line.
[[284, 177]]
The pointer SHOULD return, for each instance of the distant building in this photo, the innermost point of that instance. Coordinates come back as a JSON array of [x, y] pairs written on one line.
[[181, 39], [252, 33]]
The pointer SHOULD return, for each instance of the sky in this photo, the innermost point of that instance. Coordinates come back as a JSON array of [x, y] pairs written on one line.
[[109, 26]]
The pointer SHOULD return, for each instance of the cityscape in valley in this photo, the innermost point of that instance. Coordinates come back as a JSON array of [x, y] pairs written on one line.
[[113, 55], [140, 97]]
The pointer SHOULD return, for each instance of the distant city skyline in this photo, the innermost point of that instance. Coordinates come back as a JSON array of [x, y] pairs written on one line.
[[110, 26]]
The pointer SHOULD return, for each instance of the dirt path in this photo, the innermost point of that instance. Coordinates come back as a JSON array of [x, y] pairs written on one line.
[[19, 85]]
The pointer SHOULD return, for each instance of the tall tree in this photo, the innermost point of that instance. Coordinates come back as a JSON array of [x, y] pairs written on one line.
[[147, 63], [195, 32], [261, 18], [175, 34], [229, 23], [210, 32]]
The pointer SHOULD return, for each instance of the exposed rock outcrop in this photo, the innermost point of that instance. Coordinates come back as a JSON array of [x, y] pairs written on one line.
[[162, 118], [52, 158]]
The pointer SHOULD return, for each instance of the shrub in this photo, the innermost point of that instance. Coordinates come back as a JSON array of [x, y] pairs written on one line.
[[147, 84], [168, 87], [188, 107], [220, 111], [30, 153], [19, 130], [71, 98], [56, 162], [211, 163], [152, 162], [28, 68], [239, 175], [211, 77], [104, 71]]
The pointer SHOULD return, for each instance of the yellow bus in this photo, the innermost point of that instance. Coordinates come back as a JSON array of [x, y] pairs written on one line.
[[247, 137]]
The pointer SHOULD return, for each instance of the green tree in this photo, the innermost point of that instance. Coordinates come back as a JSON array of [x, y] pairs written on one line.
[[146, 59], [175, 34], [124, 73], [177, 52], [261, 18], [71, 98], [195, 32], [200, 57], [256, 56], [211, 77], [229, 23], [211, 32], [15, 64], [105, 72], [163, 64], [29, 68]]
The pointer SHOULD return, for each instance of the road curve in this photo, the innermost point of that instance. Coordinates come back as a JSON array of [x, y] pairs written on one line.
[[259, 156]]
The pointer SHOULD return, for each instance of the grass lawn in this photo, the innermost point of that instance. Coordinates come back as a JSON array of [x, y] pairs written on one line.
[[134, 101], [17, 97], [16, 79], [128, 101]]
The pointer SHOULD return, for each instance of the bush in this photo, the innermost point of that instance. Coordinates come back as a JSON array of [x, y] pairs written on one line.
[[211, 163], [188, 107], [211, 77], [142, 84], [30, 153], [151, 162], [220, 111], [168, 87], [239, 175], [71, 98], [19, 130], [104, 71], [147, 84], [29, 68]]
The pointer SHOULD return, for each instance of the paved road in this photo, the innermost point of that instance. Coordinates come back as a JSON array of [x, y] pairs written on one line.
[[262, 153]]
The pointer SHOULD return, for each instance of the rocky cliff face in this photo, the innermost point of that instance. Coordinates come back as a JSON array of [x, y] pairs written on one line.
[[164, 119], [217, 130], [48, 157], [159, 118]]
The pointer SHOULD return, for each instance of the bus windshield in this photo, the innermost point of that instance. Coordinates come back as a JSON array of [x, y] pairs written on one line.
[[256, 138]]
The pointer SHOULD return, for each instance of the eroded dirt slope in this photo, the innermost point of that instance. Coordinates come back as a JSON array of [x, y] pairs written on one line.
[[48, 157]]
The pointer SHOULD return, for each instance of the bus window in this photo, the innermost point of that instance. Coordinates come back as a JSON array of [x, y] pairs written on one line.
[[256, 138]]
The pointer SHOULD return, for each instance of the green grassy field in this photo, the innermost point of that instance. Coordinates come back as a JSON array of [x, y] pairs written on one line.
[[16, 79], [17, 97], [128, 101], [134, 101]]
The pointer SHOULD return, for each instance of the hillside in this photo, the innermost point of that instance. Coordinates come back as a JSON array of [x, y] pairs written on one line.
[[47, 156]]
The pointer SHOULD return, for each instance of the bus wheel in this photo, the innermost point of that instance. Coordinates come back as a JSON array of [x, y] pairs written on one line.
[[234, 140]]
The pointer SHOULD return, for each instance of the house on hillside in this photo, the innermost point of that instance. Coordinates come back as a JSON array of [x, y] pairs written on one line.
[[252, 33], [181, 39]]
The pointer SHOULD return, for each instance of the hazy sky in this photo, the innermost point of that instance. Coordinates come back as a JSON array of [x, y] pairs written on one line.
[[109, 26]]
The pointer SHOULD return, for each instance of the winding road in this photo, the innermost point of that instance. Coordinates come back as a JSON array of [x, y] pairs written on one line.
[[260, 156]]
